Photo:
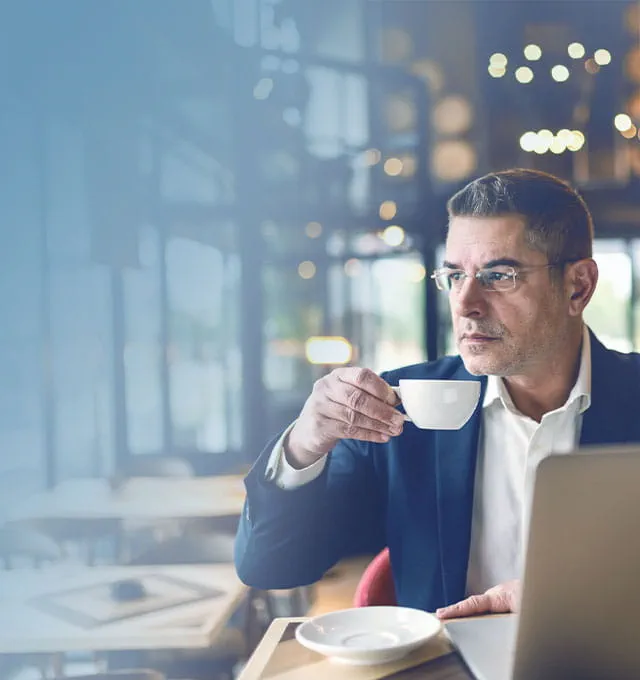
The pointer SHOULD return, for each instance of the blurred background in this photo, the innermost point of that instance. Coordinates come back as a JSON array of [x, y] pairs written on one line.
[[191, 192], [205, 205]]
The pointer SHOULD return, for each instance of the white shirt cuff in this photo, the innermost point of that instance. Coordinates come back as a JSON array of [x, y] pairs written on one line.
[[283, 474]]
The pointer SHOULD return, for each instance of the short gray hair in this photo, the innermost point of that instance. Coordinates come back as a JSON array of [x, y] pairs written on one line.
[[557, 220]]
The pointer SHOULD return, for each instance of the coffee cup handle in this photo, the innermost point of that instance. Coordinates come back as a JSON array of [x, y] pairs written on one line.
[[397, 391]]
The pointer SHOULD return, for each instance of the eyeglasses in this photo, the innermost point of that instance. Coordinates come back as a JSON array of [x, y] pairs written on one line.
[[498, 279]]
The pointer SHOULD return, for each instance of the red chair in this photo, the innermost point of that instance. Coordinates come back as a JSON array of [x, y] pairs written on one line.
[[376, 585]]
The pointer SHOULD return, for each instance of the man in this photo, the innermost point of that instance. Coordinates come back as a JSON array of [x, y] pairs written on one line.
[[350, 477]]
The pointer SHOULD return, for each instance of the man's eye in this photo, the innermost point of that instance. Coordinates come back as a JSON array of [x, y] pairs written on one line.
[[497, 276], [456, 276]]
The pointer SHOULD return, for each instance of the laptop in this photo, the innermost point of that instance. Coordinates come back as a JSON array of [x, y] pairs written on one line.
[[580, 611]]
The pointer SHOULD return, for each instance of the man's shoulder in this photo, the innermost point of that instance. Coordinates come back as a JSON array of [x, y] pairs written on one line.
[[449, 367], [625, 360]]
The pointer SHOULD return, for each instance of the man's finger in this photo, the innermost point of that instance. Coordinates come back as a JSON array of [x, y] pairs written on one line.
[[476, 604], [353, 419], [362, 402], [368, 381], [504, 598]]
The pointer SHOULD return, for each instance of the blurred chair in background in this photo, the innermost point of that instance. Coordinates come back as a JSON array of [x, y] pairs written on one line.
[[189, 549], [140, 533], [21, 544], [126, 674], [154, 465], [83, 539], [376, 586], [225, 524]]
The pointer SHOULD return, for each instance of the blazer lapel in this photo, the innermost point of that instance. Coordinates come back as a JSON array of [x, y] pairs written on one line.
[[456, 453]]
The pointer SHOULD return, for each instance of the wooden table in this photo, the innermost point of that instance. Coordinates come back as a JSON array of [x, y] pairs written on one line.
[[280, 657], [138, 498], [70, 609]]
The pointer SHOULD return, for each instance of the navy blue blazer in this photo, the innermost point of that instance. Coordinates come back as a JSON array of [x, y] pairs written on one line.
[[414, 494]]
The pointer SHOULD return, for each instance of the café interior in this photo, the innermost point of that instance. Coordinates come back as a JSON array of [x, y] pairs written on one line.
[[207, 206]]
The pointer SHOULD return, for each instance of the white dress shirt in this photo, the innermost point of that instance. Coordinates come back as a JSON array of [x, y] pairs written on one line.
[[511, 446]]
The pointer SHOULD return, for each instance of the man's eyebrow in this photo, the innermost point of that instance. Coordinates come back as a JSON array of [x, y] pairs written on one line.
[[503, 262], [498, 262]]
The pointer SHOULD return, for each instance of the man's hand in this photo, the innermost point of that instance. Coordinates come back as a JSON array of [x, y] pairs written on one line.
[[349, 403], [500, 599]]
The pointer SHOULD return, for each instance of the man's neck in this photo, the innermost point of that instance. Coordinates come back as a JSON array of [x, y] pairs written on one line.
[[549, 389]]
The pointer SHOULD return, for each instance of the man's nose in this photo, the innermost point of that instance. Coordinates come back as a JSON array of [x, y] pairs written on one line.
[[469, 299]]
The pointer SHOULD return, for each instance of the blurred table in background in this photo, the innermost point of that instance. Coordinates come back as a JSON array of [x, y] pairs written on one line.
[[64, 609], [137, 498]]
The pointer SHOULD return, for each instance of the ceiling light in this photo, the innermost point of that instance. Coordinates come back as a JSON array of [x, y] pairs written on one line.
[[498, 59], [560, 73], [452, 115], [313, 229], [558, 145], [328, 350], [401, 114], [453, 160], [306, 269], [532, 52], [622, 122], [393, 167], [576, 50], [528, 141], [524, 74], [576, 142], [393, 236], [352, 267], [372, 157], [388, 210], [496, 71], [602, 57]]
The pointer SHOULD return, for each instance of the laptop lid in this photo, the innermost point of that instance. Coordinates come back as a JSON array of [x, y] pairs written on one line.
[[581, 600], [580, 604]]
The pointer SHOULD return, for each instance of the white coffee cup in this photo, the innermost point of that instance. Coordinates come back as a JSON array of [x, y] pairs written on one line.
[[438, 404]]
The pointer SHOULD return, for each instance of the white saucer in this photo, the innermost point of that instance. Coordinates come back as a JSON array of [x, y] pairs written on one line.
[[368, 635]]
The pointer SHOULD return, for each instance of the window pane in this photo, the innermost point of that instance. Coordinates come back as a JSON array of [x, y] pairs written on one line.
[[81, 314], [607, 313], [294, 311], [143, 353], [396, 336], [446, 339], [22, 454], [204, 346], [81, 344]]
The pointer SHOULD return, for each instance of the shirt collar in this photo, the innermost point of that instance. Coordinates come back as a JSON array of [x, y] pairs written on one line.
[[581, 390]]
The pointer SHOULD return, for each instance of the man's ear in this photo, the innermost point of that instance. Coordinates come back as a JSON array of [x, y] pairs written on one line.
[[582, 278]]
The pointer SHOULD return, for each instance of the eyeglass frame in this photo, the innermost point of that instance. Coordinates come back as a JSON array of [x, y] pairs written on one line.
[[515, 272]]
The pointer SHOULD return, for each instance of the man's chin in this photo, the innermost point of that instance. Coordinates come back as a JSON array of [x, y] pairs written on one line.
[[474, 370], [481, 365]]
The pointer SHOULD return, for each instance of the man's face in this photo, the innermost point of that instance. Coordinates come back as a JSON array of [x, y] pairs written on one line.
[[504, 333]]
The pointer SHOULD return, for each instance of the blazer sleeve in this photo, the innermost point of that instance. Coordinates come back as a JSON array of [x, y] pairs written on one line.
[[289, 538]]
